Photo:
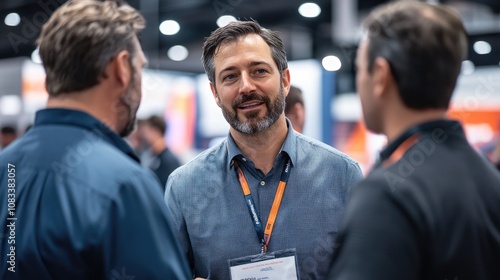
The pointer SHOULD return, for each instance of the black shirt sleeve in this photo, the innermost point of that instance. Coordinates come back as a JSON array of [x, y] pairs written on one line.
[[378, 239]]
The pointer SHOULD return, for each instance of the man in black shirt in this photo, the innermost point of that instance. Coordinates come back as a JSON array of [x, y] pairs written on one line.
[[430, 208], [164, 161]]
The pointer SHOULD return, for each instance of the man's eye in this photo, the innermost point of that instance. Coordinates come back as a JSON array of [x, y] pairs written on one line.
[[229, 77]]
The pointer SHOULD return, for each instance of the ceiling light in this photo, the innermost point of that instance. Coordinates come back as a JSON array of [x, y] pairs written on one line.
[[468, 67], [178, 53], [331, 63], [482, 47], [12, 19], [309, 10], [225, 20], [169, 27], [35, 56], [10, 105]]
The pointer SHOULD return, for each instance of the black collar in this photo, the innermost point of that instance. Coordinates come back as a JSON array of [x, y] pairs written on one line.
[[423, 128]]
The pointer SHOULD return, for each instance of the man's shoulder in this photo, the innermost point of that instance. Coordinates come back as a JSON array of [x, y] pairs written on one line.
[[216, 155], [82, 158], [102, 155], [401, 181], [207, 166]]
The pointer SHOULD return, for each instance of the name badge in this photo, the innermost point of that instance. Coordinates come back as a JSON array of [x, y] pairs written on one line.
[[269, 266]]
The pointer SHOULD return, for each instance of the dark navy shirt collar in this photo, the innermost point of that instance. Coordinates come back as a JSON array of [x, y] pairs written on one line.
[[81, 119], [426, 127]]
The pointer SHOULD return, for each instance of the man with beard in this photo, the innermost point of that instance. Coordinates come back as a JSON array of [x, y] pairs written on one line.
[[225, 202], [80, 206]]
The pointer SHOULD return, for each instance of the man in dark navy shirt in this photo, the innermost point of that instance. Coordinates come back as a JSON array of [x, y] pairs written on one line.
[[430, 208], [75, 202]]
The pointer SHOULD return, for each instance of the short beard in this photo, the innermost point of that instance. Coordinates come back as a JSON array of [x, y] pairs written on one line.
[[254, 124], [127, 100]]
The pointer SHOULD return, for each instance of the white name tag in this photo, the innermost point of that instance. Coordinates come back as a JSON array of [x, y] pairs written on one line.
[[270, 266]]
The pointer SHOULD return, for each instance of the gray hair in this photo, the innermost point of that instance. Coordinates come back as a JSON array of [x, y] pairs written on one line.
[[81, 38]]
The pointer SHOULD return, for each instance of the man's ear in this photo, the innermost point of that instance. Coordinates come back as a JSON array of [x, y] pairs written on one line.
[[214, 93], [382, 77], [122, 68], [286, 81]]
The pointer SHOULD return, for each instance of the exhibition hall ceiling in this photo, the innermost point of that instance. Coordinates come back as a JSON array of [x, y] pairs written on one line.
[[333, 31]]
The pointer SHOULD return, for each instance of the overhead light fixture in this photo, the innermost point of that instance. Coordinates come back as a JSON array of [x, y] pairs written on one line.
[[482, 47], [35, 56], [178, 53], [225, 20], [169, 27], [468, 67], [10, 105], [309, 10], [12, 19], [331, 63]]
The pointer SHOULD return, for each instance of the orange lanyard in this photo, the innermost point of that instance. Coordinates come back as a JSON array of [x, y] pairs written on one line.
[[264, 234], [401, 150]]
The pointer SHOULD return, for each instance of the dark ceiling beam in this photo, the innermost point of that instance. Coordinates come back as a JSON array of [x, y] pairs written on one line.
[[8, 5], [150, 37]]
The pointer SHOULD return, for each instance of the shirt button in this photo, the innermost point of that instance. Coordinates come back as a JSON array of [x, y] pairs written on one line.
[[262, 183]]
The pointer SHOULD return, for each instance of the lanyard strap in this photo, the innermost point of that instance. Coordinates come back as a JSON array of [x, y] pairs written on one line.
[[398, 153], [408, 138], [264, 234]]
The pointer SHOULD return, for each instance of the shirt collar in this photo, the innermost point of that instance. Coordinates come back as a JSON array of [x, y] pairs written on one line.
[[446, 125], [289, 146], [84, 120]]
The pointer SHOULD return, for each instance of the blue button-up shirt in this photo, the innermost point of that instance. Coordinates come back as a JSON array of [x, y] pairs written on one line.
[[213, 222], [82, 206]]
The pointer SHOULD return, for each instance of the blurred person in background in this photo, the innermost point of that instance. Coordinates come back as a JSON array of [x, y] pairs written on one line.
[[164, 160], [430, 207], [138, 143], [85, 207], [8, 134], [265, 188], [496, 154], [134, 139], [295, 110]]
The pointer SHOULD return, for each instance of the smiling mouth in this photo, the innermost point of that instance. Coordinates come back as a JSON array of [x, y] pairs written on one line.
[[250, 105]]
